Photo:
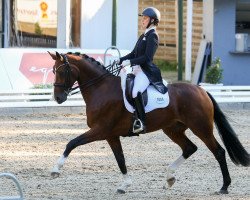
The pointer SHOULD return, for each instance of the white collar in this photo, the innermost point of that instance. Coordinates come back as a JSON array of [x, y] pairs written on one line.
[[148, 29]]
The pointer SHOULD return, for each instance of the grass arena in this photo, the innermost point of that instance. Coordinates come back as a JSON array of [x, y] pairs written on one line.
[[31, 143]]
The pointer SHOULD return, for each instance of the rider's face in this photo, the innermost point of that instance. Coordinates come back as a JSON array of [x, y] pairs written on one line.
[[144, 21]]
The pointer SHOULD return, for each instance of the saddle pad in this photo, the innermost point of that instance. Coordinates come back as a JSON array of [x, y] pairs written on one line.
[[155, 98]]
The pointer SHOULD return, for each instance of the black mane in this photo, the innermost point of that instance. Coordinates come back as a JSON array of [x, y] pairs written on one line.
[[86, 57], [110, 69]]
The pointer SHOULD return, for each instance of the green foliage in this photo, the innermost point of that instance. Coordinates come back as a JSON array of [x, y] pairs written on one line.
[[166, 65], [38, 29], [42, 86], [214, 72]]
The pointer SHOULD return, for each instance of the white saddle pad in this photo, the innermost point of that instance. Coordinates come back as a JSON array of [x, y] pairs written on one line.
[[155, 98]]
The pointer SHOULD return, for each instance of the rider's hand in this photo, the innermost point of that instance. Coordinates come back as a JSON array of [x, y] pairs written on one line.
[[117, 61], [126, 63]]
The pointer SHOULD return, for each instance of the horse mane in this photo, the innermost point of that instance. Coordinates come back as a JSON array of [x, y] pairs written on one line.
[[90, 59]]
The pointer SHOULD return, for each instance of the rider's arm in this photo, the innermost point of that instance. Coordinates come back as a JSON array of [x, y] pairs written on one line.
[[151, 47]]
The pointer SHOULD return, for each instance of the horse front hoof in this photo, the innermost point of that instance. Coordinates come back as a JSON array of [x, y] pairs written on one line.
[[120, 191], [171, 182], [55, 174], [221, 192]]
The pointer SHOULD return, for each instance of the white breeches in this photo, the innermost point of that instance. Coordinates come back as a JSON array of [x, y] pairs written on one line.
[[141, 81]]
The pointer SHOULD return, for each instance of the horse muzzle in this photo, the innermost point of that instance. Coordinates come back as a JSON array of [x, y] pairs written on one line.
[[60, 98]]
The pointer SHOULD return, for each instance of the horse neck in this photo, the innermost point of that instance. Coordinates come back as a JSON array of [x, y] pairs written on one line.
[[88, 71]]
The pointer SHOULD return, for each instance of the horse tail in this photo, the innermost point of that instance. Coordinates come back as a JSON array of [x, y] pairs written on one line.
[[236, 151]]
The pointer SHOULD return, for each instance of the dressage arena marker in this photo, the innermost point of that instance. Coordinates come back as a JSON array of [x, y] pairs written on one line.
[[11, 176]]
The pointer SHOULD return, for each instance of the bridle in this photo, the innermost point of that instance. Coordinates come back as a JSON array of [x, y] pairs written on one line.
[[67, 74]]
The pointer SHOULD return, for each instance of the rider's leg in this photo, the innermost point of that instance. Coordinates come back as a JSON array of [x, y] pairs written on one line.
[[139, 124], [141, 83]]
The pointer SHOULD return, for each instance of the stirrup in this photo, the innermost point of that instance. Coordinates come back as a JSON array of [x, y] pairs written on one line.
[[138, 126]]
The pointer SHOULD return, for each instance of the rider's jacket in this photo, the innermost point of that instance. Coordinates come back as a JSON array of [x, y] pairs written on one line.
[[143, 54]]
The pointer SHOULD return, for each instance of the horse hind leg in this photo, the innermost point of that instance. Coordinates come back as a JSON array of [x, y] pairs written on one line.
[[177, 135], [220, 156], [206, 135]]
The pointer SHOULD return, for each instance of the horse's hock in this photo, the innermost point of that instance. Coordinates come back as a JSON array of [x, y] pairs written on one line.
[[17, 186]]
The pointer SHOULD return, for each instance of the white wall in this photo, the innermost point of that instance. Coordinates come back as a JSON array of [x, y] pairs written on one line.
[[127, 24], [96, 27], [208, 19], [96, 24]]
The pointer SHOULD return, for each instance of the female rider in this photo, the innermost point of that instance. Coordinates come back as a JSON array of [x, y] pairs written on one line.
[[144, 71]]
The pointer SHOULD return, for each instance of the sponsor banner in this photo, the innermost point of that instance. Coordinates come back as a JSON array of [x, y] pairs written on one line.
[[43, 12], [25, 68]]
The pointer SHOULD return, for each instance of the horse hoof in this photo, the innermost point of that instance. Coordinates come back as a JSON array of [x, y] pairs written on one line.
[[221, 192], [55, 174], [120, 191], [171, 182]]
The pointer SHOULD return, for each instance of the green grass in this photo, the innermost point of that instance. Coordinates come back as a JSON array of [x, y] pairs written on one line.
[[168, 70], [43, 86], [166, 65]]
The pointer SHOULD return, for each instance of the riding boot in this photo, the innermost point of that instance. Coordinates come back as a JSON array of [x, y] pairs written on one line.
[[139, 123]]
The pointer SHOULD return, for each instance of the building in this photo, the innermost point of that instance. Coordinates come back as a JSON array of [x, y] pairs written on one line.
[[223, 21], [44, 23]]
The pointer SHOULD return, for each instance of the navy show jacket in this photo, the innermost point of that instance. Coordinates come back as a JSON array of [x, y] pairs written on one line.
[[143, 54]]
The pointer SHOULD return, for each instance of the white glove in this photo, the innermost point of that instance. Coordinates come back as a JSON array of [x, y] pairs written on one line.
[[117, 61], [126, 63]]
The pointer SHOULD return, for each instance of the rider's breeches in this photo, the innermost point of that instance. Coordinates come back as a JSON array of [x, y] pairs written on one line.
[[141, 81]]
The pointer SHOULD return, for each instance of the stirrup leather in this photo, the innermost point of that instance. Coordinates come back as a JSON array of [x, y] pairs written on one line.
[[138, 126]]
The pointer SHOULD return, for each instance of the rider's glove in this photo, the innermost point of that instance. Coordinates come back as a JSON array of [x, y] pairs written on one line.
[[117, 61], [126, 63]]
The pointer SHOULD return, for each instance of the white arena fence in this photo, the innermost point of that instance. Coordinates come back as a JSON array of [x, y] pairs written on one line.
[[44, 97], [229, 94], [35, 98]]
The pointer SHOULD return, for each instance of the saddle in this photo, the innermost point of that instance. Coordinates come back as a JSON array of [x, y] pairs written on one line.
[[128, 90], [153, 99]]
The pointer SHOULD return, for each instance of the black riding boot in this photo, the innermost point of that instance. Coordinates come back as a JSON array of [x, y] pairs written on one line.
[[139, 123]]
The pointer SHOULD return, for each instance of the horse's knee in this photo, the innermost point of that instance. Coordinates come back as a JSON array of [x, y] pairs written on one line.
[[189, 150]]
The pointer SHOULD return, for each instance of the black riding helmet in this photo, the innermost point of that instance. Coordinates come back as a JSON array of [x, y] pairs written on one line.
[[154, 15]]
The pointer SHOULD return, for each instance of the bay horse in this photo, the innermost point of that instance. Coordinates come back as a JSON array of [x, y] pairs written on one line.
[[190, 107]]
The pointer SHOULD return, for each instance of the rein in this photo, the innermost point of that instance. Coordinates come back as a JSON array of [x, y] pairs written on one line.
[[87, 84], [112, 69]]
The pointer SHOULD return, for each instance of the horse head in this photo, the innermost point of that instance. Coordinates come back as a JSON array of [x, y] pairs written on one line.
[[66, 74]]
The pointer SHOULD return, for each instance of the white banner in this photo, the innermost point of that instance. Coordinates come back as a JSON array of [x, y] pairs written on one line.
[[25, 68], [43, 12]]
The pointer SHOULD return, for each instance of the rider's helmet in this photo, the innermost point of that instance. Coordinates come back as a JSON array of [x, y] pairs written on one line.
[[154, 15]]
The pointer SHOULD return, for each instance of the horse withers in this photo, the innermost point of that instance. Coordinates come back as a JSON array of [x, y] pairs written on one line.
[[190, 107]]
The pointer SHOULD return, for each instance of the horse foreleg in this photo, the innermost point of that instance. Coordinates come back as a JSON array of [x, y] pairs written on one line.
[[188, 148], [87, 137], [116, 147]]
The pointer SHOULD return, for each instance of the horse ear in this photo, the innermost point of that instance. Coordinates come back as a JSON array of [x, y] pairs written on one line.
[[59, 56], [53, 56]]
